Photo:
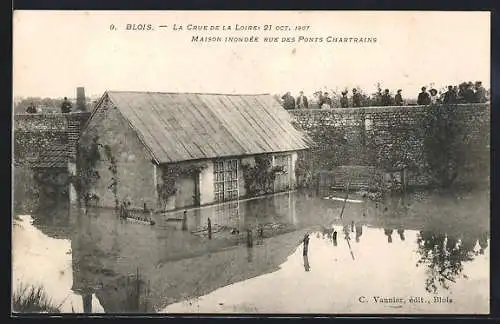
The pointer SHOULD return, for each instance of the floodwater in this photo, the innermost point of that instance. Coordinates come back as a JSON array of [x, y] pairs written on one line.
[[421, 253]]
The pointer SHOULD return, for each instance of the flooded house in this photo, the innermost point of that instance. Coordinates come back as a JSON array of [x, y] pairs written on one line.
[[167, 151]]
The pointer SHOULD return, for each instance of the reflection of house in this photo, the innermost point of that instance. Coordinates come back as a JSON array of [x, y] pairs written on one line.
[[172, 264], [198, 143]]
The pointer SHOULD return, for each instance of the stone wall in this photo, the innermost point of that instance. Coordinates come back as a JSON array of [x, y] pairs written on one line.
[[44, 147], [395, 138], [47, 140], [24, 190]]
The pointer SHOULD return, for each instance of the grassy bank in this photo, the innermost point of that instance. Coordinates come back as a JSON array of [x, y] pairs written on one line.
[[33, 299]]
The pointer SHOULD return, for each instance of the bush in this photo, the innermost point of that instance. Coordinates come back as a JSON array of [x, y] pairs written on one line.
[[32, 299]]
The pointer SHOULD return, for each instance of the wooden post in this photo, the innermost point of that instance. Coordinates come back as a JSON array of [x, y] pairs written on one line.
[[209, 229], [87, 302], [249, 254], [261, 233], [306, 245], [184, 221], [249, 238], [146, 297], [138, 290]]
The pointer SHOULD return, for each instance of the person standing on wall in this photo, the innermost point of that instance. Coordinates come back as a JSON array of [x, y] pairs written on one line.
[[302, 101], [468, 93], [66, 106], [423, 97], [450, 96], [356, 98], [480, 93], [31, 109], [434, 96], [386, 98], [288, 101], [326, 101], [320, 98], [315, 101], [344, 102], [398, 99]]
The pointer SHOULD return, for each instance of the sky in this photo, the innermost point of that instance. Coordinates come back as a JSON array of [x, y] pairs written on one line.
[[57, 51]]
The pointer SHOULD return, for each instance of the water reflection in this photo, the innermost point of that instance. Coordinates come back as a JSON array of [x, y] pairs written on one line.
[[307, 267], [126, 294], [401, 233], [250, 254], [131, 267], [483, 242], [444, 256], [388, 232], [359, 232], [46, 262], [347, 234]]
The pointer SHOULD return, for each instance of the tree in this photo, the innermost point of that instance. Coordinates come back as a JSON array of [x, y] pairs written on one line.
[[443, 143]]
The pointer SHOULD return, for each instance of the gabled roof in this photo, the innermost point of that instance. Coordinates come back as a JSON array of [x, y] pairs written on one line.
[[188, 126]]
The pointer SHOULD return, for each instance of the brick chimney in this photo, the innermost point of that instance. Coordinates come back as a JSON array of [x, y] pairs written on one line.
[[81, 102]]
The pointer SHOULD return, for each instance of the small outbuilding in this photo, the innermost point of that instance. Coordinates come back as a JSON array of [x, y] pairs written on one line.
[[168, 151]]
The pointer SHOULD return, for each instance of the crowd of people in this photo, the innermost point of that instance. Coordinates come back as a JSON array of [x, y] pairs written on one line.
[[466, 92]]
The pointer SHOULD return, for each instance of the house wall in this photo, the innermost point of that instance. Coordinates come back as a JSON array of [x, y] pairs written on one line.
[[241, 179], [186, 186], [133, 162], [293, 179], [73, 195], [289, 177], [185, 191]]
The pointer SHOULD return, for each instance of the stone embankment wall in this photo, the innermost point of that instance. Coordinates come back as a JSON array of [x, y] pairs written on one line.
[[428, 142]]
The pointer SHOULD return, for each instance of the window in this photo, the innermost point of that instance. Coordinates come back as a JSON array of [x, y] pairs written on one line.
[[226, 180]]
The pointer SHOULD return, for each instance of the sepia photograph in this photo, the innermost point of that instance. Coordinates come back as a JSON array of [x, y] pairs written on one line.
[[251, 162]]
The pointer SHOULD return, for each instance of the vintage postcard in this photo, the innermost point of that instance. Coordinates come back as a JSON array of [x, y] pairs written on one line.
[[228, 162]]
